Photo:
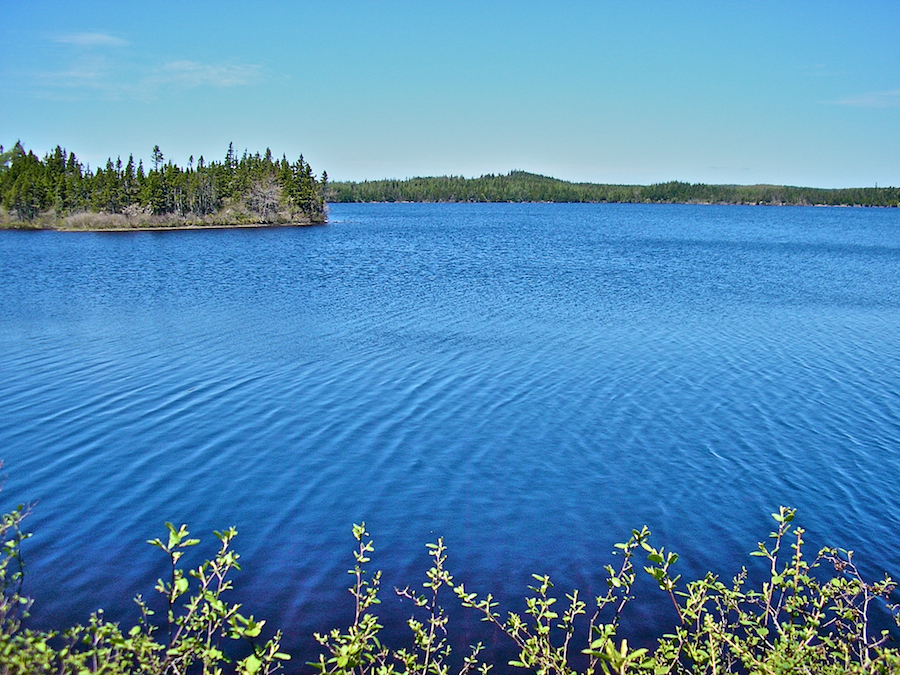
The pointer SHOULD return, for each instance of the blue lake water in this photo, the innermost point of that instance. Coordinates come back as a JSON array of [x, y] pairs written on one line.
[[530, 381]]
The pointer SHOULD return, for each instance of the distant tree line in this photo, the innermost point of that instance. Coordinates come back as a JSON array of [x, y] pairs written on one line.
[[520, 186], [246, 189]]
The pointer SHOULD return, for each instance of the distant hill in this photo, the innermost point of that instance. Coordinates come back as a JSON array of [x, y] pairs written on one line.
[[521, 186]]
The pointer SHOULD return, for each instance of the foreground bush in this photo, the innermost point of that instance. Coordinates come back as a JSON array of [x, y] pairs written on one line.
[[197, 618], [809, 616], [803, 619]]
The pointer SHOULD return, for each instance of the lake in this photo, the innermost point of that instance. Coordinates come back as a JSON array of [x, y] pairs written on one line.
[[529, 381]]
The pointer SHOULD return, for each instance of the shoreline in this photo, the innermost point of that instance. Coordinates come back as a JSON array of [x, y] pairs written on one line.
[[61, 226], [16, 225], [166, 228], [646, 203], [522, 186]]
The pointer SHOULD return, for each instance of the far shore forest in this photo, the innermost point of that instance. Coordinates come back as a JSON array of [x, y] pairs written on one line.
[[521, 186], [59, 192]]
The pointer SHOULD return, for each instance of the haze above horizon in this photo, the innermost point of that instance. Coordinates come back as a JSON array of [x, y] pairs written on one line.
[[794, 94]]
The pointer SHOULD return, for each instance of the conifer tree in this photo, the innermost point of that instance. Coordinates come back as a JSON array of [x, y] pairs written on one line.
[[157, 157], [256, 186]]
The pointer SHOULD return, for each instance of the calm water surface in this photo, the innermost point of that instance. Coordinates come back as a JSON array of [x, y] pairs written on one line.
[[529, 381]]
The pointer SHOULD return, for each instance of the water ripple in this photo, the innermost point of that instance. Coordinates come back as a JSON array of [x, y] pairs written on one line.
[[530, 381]]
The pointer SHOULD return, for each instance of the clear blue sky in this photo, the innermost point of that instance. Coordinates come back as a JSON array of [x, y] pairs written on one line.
[[801, 93]]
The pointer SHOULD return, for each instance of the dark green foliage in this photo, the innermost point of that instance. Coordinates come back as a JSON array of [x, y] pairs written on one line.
[[520, 186], [253, 189]]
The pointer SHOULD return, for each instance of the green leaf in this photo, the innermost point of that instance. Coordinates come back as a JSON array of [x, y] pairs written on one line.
[[175, 536], [251, 664]]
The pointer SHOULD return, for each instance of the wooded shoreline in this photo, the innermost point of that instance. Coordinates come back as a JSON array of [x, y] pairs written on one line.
[[59, 192], [257, 190], [520, 186]]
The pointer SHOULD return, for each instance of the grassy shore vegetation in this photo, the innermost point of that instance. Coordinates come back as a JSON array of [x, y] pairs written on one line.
[[809, 615], [59, 192], [520, 186]]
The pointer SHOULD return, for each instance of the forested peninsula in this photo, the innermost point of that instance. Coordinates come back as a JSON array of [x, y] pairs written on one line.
[[520, 186], [59, 192]]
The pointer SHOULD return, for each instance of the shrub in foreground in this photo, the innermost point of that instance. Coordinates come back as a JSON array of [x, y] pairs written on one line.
[[197, 618], [809, 616]]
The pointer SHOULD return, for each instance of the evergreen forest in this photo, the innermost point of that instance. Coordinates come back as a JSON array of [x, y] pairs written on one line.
[[520, 186], [58, 191]]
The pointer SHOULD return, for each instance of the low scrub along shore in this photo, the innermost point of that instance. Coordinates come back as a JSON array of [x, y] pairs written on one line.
[[520, 186], [809, 614], [58, 192]]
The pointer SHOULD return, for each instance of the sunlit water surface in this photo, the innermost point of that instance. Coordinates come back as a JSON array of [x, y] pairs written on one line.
[[528, 381]]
